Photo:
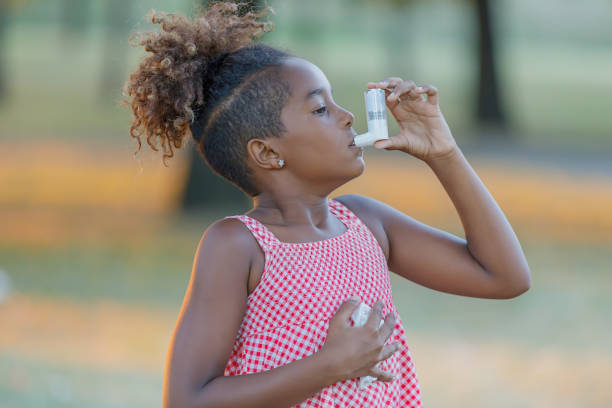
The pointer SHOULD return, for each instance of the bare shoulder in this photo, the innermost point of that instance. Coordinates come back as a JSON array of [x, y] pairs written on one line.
[[228, 236], [369, 212], [231, 229]]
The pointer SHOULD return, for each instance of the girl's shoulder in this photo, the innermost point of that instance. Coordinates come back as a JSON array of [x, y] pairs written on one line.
[[230, 236], [233, 228]]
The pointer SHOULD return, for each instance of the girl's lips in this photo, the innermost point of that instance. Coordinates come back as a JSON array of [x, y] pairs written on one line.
[[353, 147]]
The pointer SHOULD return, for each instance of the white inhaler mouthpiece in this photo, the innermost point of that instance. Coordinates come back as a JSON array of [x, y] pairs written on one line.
[[376, 109]]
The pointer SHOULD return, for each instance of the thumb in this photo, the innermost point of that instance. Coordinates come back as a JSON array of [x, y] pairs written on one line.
[[383, 144], [346, 310]]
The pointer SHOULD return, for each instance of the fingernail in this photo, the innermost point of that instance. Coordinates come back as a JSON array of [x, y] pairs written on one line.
[[420, 89]]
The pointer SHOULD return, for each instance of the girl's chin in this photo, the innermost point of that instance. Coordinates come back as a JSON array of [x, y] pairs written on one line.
[[360, 163]]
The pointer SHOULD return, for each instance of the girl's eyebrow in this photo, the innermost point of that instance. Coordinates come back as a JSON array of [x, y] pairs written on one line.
[[316, 92]]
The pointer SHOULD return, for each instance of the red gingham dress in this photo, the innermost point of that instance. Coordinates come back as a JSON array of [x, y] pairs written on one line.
[[302, 286]]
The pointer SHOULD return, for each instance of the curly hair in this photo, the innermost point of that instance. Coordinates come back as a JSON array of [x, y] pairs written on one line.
[[207, 77]]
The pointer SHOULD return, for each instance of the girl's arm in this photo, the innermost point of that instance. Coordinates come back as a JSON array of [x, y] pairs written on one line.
[[283, 386], [490, 262], [209, 320], [490, 240]]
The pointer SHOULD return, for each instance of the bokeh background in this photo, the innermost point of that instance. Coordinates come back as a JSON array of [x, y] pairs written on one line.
[[97, 244]]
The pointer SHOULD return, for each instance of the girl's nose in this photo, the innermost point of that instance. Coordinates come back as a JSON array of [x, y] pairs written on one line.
[[349, 118]]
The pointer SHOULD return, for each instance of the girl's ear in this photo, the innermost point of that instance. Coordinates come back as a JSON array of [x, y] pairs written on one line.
[[263, 153]]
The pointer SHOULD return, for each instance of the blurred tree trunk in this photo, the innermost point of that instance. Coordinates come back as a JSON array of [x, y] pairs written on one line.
[[74, 15], [117, 17], [489, 109], [203, 187]]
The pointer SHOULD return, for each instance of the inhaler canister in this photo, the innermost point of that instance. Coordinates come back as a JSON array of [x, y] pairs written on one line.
[[376, 109]]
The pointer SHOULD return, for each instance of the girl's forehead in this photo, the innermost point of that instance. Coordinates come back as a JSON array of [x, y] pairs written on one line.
[[303, 77]]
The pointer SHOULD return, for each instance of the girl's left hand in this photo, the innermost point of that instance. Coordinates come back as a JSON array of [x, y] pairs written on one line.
[[424, 132]]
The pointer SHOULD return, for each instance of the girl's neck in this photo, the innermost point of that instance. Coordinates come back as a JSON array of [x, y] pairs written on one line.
[[291, 211]]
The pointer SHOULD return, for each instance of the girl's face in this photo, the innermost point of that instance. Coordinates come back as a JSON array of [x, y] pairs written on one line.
[[316, 144]]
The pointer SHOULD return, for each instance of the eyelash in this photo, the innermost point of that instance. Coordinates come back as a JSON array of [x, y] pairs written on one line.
[[320, 113]]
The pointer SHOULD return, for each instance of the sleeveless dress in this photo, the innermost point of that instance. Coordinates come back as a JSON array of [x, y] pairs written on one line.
[[303, 285]]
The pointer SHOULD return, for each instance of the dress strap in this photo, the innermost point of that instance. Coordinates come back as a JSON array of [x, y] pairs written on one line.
[[265, 238], [343, 213]]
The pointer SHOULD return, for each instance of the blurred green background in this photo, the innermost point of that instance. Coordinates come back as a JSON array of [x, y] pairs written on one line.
[[96, 244]]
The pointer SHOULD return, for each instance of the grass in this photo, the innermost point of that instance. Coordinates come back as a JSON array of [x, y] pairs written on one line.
[[35, 382]]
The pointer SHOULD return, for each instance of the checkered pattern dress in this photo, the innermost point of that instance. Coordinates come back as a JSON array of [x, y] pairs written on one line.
[[303, 285]]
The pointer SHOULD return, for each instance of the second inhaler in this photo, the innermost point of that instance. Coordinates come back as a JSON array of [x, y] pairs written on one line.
[[376, 110]]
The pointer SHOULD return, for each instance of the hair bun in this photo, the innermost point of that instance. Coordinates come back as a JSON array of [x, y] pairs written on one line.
[[185, 55], [213, 67]]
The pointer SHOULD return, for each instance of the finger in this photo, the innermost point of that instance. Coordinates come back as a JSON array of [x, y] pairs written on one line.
[[431, 92], [390, 82], [372, 85], [375, 315], [389, 350], [403, 89], [388, 326], [381, 375], [345, 310], [388, 144], [415, 94]]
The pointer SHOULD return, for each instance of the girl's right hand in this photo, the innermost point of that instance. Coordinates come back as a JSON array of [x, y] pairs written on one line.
[[354, 351]]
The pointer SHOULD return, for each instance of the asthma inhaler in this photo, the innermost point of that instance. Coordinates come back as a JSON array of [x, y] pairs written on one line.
[[376, 109], [360, 316]]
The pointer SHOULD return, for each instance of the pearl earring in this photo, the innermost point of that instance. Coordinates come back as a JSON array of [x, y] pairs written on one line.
[[281, 162]]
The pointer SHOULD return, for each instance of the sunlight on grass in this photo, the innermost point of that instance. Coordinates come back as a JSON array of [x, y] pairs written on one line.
[[103, 334], [538, 202], [500, 374], [88, 175], [39, 179]]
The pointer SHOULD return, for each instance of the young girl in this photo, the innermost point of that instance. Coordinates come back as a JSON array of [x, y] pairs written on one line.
[[266, 319]]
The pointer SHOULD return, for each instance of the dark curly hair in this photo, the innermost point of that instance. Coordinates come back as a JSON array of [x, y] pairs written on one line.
[[208, 77]]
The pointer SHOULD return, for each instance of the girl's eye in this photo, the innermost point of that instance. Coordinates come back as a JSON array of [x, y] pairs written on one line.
[[321, 110]]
